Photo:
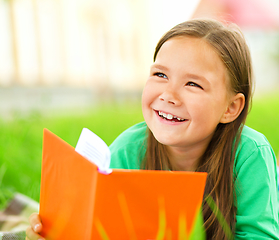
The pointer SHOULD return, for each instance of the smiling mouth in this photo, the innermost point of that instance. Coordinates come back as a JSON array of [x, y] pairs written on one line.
[[170, 117]]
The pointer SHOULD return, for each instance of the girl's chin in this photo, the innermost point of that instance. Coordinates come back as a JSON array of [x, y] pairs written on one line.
[[166, 140]]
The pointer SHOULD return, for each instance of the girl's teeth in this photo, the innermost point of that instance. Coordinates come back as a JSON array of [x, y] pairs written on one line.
[[169, 116]]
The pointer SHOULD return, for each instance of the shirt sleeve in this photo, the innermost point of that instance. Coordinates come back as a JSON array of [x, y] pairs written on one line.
[[256, 192], [128, 149], [125, 157]]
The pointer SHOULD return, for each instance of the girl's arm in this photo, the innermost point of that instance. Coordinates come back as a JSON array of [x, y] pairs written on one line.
[[256, 191]]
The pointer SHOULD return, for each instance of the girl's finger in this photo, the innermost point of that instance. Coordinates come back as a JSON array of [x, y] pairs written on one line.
[[35, 222], [31, 235]]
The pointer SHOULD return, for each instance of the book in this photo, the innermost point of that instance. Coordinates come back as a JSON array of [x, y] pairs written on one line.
[[80, 200], [94, 149]]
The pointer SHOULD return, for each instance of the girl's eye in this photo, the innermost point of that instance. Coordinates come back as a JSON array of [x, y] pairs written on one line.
[[192, 84], [160, 75]]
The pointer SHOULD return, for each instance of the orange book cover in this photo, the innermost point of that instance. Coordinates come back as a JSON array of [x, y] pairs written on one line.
[[79, 202]]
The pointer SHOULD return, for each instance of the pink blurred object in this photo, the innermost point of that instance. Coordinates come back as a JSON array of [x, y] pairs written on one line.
[[256, 14]]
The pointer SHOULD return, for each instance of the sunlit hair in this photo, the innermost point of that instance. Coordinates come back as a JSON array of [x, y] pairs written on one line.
[[218, 159]]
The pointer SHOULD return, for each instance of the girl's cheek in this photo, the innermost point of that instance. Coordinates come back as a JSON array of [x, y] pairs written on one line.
[[149, 90], [146, 96]]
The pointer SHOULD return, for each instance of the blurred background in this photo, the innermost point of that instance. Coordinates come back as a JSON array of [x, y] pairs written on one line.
[[69, 64]]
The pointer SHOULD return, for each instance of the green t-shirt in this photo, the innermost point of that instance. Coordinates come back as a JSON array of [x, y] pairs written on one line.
[[256, 178]]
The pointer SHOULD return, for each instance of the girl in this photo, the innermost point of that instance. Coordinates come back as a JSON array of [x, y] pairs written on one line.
[[195, 103]]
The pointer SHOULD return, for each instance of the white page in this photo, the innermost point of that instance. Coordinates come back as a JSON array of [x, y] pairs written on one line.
[[94, 149]]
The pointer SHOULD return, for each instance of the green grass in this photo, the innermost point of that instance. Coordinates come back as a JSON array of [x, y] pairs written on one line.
[[21, 137], [21, 141]]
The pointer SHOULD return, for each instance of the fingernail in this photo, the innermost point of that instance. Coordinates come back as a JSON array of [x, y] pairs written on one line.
[[36, 227]]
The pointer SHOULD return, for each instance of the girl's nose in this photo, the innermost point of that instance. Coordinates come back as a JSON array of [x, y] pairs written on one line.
[[171, 97]]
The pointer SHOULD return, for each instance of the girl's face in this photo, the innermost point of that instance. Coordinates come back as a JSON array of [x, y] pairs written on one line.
[[186, 94]]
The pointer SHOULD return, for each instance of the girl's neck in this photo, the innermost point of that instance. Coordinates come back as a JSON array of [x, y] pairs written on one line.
[[183, 159]]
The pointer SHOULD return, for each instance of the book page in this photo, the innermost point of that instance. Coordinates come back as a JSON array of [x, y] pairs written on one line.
[[94, 149]]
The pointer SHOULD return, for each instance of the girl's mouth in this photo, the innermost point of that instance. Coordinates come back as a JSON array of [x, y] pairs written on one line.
[[170, 117]]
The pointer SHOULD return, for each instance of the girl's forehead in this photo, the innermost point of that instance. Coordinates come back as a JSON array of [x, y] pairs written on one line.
[[185, 41], [189, 50]]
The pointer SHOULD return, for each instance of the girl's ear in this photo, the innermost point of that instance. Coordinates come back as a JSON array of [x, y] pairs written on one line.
[[234, 109]]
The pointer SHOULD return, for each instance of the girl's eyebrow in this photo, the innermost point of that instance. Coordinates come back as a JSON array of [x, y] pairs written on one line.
[[196, 77], [159, 66]]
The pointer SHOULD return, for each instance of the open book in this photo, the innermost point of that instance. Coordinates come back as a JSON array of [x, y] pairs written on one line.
[[94, 149], [80, 200]]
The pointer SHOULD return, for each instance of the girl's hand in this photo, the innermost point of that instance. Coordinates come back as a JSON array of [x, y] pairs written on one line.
[[32, 232]]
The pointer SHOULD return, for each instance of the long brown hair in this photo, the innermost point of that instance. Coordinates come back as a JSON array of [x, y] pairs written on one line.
[[218, 159]]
